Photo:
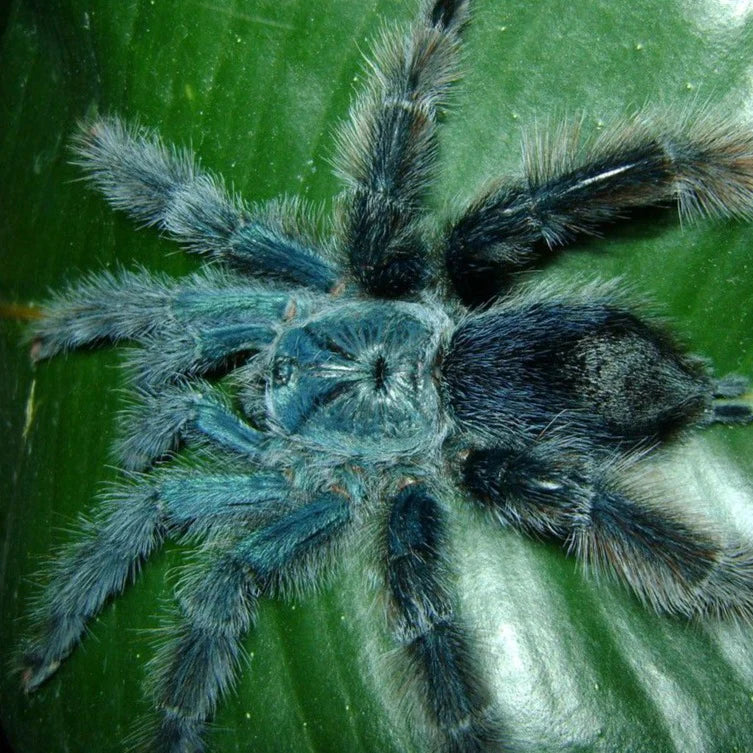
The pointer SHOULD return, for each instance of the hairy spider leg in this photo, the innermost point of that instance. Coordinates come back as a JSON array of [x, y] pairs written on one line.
[[617, 383], [187, 327], [614, 383], [571, 189], [125, 530], [195, 413], [162, 186], [387, 150], [132, 520], [199, 348], [199, 661], [675, 565], [426, 627]]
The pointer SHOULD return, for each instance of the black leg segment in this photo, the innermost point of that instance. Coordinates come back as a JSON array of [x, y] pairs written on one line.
[[424, 623], [387, 151], [673, 563], [571, 189]]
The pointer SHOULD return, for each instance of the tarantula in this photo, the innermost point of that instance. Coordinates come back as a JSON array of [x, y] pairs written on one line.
[[376, 374]]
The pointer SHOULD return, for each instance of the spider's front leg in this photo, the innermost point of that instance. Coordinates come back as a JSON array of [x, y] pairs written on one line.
[[195, 413], [571, 189], [427, 628], [127, 528], [186, 327], [287, 534], [130, 524], [387, 150], [164, 186], [198, 663]]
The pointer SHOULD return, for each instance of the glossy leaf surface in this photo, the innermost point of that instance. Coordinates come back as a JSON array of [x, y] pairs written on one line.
[[257, 88]]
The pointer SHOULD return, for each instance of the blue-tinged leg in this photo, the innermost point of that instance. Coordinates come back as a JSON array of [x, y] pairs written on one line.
[[132, 521], [673, 564], [211, 314], [126, 530], [196, 413], [196, 502], [162, 186], [218, 603], [200, 348], [427, 628]]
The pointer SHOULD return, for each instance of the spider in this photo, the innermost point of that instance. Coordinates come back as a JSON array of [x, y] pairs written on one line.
[[378, 381]]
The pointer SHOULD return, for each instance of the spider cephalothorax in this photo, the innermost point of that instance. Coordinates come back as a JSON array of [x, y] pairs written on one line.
[[376, 374]]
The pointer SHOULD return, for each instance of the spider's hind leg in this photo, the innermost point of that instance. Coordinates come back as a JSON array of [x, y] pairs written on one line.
[[673, 563], [570, 189]]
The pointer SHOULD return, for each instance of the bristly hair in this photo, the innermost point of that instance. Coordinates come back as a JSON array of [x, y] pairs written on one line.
[[320, 386]]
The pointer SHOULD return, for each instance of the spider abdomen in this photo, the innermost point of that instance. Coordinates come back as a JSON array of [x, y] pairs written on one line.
[[359, 379], [594, 367]]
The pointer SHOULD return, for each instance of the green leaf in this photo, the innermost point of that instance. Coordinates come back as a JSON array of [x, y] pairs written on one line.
[[257, 89]]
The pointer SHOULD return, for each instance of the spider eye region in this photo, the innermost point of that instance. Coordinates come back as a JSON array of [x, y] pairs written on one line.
[[282, 371], [358, 379]]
